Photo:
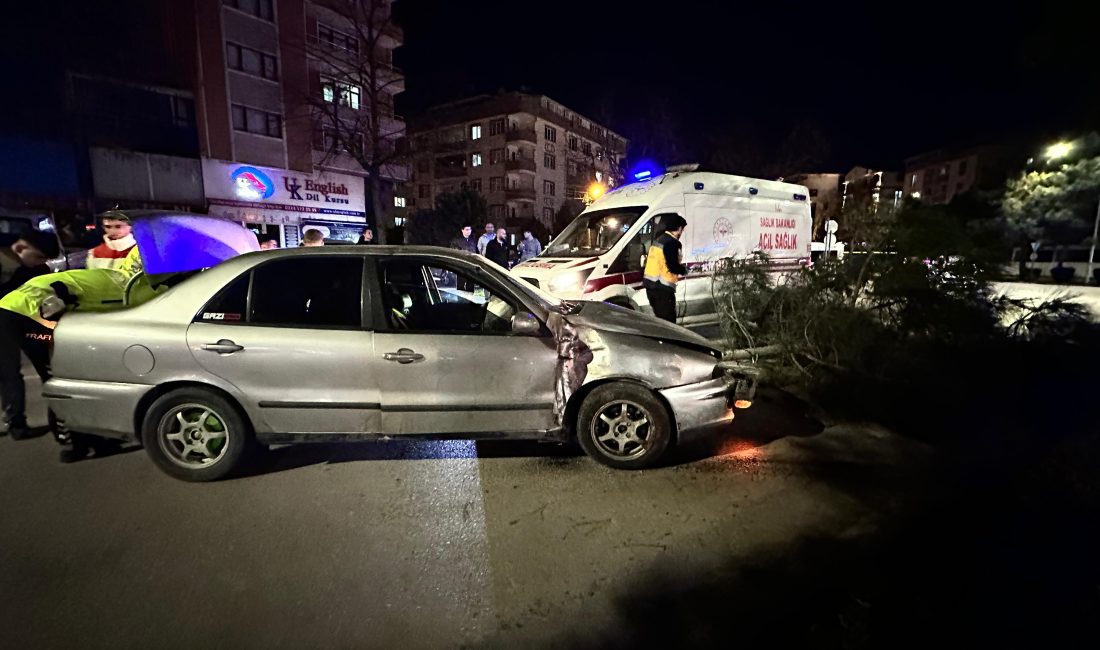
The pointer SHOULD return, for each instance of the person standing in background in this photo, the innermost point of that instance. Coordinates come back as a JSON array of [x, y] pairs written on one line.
[[118, 239], [484, 240], [529, 246]]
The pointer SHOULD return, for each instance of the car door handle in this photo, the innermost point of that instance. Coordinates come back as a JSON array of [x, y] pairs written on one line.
[[403, 355], [224, 346]]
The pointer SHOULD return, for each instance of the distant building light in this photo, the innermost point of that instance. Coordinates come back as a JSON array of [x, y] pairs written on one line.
[[398, 201]]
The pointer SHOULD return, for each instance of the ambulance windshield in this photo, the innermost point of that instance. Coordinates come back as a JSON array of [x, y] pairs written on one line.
[[593, 233]]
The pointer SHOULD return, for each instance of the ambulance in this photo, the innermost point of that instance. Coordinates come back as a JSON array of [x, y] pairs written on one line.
[[601, 254]]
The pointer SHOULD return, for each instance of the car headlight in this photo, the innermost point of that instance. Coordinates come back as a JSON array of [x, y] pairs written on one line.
[[569, 282]]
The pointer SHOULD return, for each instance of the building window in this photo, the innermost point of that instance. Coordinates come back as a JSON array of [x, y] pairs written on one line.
[[253, 120], [586, 148], [572, 168], [599, 154], [337, 39], [254, 62], [548, 188], [347, 93], [496, 156], [547, 215], [475, 185], [496, 211], [913, 182], [398, 201], [333, 142], [424, 192], [496, 127], [263, 9], [475, 132], [572, 143], [475, 160], [551, 134], [496, 183], [549, 161]]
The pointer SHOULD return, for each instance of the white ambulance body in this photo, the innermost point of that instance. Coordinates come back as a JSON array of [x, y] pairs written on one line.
[[601, 254]]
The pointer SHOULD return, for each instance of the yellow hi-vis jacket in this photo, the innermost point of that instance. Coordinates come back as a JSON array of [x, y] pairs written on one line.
[[663, 265], [94, 289]]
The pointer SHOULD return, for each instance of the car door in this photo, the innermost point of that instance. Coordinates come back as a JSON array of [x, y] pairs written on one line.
[[288, 336], [453, 364]]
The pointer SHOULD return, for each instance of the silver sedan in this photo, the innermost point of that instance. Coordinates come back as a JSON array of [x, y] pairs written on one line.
[[357, 343]]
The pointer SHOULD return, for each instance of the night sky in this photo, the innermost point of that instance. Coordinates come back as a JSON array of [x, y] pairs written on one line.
[[872, 82], [878, 81]]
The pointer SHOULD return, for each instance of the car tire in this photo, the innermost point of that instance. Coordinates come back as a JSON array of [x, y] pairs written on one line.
[[624, 426], [196, 435]]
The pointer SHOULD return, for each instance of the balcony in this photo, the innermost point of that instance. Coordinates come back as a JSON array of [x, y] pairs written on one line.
[[454, 145], [449, 172], [520, 193], [520, 164], [520, 135]]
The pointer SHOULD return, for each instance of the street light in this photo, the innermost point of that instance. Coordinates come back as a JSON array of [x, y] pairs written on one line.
[[1058, 150]]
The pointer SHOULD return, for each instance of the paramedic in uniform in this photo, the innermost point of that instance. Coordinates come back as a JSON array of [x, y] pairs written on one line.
[[664, 267]]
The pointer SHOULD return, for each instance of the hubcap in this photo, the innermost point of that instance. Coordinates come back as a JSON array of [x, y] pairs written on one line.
[[193, 436], [621, 429]]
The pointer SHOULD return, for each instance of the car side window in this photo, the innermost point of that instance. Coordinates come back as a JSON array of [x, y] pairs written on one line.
[[309, 292], [631, 258], [230, 305], [421, 297]]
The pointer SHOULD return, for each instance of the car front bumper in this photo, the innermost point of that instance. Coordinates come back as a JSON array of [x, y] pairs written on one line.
[[101, 408], [700, 405]]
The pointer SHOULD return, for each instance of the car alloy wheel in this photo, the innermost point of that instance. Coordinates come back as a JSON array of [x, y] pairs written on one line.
[[193, 436], [621, 429]]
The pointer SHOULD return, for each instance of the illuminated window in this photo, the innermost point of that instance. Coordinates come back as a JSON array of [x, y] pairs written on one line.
[[399, 202], [475, 132], [347, 93], [475, 160]]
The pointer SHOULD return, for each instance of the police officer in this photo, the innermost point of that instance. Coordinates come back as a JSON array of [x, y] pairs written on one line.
[[27, 318], [664, 267]]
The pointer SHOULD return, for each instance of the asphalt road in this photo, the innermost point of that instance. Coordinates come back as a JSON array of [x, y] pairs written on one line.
[[410, 545]]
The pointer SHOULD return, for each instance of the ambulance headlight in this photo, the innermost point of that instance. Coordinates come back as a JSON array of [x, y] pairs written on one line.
[[569, 282]]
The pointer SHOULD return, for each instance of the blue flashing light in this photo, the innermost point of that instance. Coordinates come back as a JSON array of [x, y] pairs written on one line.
[[642, 175], [698, 186], [799, 197], [753, 191]]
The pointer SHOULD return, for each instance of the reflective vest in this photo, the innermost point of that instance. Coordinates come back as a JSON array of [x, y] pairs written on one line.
[[657, 265]]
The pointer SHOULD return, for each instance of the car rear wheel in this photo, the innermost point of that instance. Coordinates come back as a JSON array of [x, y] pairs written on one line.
[[195, 435], [624, 426]]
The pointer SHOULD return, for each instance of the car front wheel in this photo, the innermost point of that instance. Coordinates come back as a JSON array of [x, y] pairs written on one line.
[[195, 435], [624, 426]]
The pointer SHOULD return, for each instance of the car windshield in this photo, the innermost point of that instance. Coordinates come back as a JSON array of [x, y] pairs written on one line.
[[593, 233]]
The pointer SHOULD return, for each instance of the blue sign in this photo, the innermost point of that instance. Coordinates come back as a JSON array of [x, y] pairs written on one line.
[[252, 184]]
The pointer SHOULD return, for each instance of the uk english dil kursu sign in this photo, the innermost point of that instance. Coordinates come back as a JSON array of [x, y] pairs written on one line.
[[269, 191]]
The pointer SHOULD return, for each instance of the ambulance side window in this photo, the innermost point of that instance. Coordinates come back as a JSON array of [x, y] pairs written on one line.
[[632, 258]]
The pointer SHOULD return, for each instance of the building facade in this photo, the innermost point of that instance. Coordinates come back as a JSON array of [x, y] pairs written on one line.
[[937, 177], [526, 154], [825, 196], [879, 192], [272, 154]]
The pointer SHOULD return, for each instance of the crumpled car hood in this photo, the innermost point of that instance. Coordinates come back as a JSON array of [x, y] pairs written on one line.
[[602, 316]]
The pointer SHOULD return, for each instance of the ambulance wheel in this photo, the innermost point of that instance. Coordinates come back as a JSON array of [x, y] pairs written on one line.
[[624, 426], [196, 435]]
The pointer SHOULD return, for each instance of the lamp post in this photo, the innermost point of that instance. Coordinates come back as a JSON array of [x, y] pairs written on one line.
[[1061, 150]]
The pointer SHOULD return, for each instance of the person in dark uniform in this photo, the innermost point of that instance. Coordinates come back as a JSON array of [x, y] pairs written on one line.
[[497, 248], [664, 267]]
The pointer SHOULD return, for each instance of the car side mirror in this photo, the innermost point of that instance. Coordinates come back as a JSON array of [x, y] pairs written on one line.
[[525, 324]]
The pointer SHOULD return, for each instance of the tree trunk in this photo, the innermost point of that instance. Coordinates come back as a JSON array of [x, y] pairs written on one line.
[[378, 219]]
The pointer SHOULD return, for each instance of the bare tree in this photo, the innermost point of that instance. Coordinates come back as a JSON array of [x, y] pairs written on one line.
[[351, 105]]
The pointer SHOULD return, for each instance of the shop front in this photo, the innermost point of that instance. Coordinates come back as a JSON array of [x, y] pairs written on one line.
[[283, 204]]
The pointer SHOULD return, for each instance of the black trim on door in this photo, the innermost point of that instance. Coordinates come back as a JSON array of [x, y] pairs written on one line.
[[365, 406], [401, 408]]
